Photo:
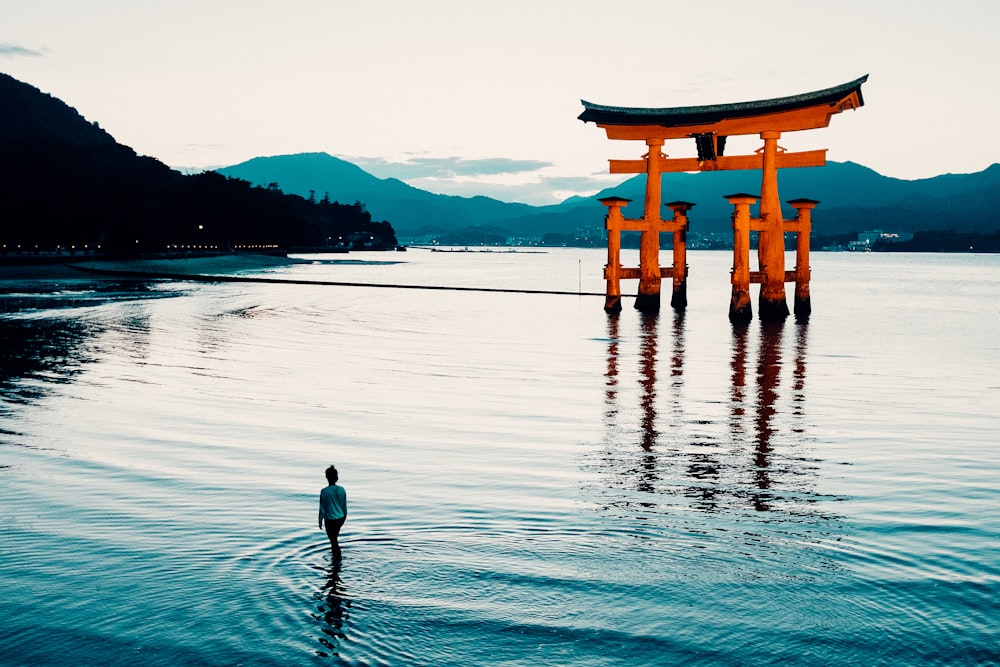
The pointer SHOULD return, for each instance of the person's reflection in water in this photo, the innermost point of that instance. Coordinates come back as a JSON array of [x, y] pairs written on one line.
[[333, 612]]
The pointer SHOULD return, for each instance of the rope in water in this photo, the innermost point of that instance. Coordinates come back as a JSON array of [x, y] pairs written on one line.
[[194, 277]]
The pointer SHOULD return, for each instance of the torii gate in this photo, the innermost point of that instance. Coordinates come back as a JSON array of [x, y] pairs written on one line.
[[710, 126]]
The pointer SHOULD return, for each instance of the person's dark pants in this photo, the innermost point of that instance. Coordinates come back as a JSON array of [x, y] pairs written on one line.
[[333, 527]]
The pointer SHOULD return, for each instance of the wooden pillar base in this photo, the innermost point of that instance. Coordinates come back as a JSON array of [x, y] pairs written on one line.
[[740, 310], [613, 269], [802, 308], [679, 299], [648, 303], [772, 310], [803, 222]]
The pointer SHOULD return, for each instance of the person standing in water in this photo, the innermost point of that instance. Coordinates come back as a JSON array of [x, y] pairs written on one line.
[[333, 509]]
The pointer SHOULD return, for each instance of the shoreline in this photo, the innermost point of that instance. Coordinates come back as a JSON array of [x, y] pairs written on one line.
[[76, 268]]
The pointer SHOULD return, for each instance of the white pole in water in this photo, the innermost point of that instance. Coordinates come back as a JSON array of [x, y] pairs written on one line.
[[579, 276]]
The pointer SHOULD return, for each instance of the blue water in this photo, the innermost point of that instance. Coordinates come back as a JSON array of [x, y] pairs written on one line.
[[530, 481]]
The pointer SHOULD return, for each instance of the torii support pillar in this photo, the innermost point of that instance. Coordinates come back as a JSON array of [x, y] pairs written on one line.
[[679, 271], [802, 226], [772, 306], [648, 298], [740, 310], [613, 222]]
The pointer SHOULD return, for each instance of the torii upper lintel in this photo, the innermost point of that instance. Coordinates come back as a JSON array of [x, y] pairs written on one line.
[[806, 111]]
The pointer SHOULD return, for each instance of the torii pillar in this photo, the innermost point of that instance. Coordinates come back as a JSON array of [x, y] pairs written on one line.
[[613, 271], [740, 310], [802, 226], [771, 241], [648, 298], [679, 271]]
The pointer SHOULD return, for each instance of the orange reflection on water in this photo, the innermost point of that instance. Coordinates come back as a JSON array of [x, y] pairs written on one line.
[[647, 373], [668, 437]]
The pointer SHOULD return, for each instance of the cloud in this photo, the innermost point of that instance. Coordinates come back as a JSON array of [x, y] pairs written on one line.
[[540, 190], [8, 50], [581, 184], [506, 179], [202, 148], [445, 167]]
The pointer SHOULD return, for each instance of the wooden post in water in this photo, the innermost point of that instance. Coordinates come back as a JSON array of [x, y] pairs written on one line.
[[613, 269], [802, 226], [740, 310], [648, 298], [678, 298], [771, 242]]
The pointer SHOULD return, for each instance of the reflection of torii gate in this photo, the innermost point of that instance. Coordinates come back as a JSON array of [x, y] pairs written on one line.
[[710, 125]]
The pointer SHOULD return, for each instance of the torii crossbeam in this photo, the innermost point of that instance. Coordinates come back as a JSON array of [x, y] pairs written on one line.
[[710, 126]]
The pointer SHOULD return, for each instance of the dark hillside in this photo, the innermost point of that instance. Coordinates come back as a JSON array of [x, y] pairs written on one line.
[[36, 117], [65, 183]]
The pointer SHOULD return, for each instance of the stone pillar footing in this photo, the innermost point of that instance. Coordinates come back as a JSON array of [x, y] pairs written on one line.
[[647, 303], [740, 310], [772, 310], [802, 308], [679, 299]]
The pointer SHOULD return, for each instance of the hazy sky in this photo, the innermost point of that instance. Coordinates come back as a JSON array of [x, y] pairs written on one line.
[[470, 96]]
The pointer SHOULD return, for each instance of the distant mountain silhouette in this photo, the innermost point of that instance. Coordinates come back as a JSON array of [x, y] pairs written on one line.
[[411, 210], [852, 198], [67, 184]]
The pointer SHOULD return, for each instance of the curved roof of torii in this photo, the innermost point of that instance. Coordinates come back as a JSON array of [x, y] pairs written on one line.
[[700, 116]]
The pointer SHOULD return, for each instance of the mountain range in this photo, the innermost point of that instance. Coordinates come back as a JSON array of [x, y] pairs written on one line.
[[852, 197], [71, 182]]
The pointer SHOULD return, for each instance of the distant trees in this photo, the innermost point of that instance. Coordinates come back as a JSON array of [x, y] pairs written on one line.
[[475, 235], [53, 196], [938, 240]]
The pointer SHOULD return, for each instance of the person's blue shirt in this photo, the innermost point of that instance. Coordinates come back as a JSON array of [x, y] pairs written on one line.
[[332, 503]]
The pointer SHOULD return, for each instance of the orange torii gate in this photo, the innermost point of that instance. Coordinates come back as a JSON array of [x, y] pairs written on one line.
[[710, 126]]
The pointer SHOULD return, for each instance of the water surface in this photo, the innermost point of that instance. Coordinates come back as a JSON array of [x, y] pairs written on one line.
[[530, 481]]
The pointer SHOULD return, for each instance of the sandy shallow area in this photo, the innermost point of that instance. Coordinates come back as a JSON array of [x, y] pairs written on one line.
[[216, 265]]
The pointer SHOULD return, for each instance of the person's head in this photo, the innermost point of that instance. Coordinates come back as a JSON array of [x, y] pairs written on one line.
[[331, 475]]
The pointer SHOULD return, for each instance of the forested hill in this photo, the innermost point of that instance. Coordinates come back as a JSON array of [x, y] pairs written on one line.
[[64, 182]]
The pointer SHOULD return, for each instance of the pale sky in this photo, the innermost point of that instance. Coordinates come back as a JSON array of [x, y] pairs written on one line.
[[481, 96]]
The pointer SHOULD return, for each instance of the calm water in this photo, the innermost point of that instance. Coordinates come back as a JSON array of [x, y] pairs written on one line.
[[531, 482]]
